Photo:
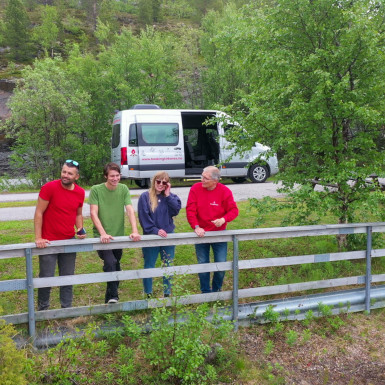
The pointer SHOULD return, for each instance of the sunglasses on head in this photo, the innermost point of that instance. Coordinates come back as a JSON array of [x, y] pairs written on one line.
[[73, 162], [161, 182]]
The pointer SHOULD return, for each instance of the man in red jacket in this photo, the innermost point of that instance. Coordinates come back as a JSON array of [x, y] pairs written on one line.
[[210, 206]]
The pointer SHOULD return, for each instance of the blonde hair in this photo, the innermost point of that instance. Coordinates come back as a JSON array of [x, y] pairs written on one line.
[[152, 192]]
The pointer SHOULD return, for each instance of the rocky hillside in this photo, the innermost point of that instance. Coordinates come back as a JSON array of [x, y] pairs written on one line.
[[6, 88]]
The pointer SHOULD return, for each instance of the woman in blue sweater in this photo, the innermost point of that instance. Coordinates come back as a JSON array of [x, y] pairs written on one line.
[[156, 209]]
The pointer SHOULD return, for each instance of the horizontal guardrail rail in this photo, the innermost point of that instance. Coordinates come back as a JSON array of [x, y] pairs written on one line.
[[27, 250]]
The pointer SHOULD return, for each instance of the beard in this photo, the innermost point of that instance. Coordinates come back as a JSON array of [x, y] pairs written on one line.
[[67, 182]]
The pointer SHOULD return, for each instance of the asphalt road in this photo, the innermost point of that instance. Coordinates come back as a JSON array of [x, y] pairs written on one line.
[[241, 192]]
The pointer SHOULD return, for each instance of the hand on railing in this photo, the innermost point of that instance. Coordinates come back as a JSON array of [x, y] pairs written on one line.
[[41, 243], [106, 238], [135, 236], [200, 232]]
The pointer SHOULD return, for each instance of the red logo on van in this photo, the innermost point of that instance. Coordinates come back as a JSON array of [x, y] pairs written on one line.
[[133, 152]]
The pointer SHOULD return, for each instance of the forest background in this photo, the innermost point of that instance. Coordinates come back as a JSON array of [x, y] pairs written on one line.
[[79, 61]]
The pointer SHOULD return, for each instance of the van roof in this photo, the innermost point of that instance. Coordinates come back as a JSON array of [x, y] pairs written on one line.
[[154, 111]]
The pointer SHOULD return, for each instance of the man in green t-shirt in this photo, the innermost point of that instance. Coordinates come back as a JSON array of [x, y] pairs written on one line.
[[107, 202]]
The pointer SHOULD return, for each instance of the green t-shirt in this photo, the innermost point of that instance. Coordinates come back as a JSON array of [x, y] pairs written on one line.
[[111, 207]]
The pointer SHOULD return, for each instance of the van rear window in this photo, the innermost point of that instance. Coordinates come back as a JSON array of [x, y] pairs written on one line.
[[115, 135], [159, 134]]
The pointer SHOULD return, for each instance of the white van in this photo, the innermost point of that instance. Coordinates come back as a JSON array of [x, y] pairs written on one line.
[[146, 139]]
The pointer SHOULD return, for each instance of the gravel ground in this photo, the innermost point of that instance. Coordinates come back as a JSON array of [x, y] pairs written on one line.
[[350, 354]]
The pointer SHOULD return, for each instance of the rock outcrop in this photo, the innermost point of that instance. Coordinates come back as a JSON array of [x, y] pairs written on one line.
[[6, 88]]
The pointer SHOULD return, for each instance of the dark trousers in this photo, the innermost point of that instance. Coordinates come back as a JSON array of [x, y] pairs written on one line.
[[47, 265], [111, 260]]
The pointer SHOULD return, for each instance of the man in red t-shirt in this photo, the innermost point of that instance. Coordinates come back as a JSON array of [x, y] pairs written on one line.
[[210, 206], [58, 211]]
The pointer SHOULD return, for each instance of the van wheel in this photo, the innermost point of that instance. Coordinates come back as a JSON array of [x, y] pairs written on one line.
[[258, 173], [238, 179], [143, 183]]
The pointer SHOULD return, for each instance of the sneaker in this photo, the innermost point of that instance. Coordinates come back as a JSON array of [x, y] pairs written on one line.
[[166, 295], [113, 300], [149, 295]]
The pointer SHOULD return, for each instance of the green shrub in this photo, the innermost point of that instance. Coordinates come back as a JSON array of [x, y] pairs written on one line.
[[184, 352], [12, 360]]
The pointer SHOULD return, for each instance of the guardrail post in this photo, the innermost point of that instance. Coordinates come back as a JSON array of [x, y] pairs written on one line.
[[31, 304], [368, 278], [235, 281]]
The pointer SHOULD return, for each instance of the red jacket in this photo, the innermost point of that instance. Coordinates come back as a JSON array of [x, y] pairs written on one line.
[[204, 206]]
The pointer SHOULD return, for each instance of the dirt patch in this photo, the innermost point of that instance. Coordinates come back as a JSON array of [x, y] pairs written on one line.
[[348, 351]]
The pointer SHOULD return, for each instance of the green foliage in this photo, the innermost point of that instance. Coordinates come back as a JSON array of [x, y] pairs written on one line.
[[189, 352], [324, 310], [103, 32], [270, 314], [150, 11], [315, 80], [274, 374], [46, 34], [202, 7], [291, 337], [59, 112], [49, 114], [269, 346], [179, 9], [2, 33], [263, 208], [142, 69], [224, 45], [306, 335], [17, 29], [12, 361], [179, 351], [309, 317]]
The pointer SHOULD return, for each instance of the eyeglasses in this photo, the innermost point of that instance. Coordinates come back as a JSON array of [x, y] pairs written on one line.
[[164, 183], [73, 162], [204, 178]]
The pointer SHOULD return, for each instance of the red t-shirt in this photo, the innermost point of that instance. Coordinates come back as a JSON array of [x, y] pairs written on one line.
[[60, 216], [203, 206]]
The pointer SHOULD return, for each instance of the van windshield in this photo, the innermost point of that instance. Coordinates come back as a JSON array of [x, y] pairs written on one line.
[[159, 134]]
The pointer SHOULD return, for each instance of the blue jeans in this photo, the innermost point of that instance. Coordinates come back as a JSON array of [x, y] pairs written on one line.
[[203, 256], [150, 255]]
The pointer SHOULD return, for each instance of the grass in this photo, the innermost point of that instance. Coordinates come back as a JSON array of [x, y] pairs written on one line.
[[4, 205]]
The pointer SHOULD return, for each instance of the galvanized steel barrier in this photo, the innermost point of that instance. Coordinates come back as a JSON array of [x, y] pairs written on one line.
[[28, 250]]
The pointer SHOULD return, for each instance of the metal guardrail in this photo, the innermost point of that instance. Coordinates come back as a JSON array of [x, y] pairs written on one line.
[[27, 250]]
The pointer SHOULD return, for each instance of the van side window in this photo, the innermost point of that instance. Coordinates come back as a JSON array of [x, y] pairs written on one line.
[[160, 134], [133, 135], [115, 141]]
